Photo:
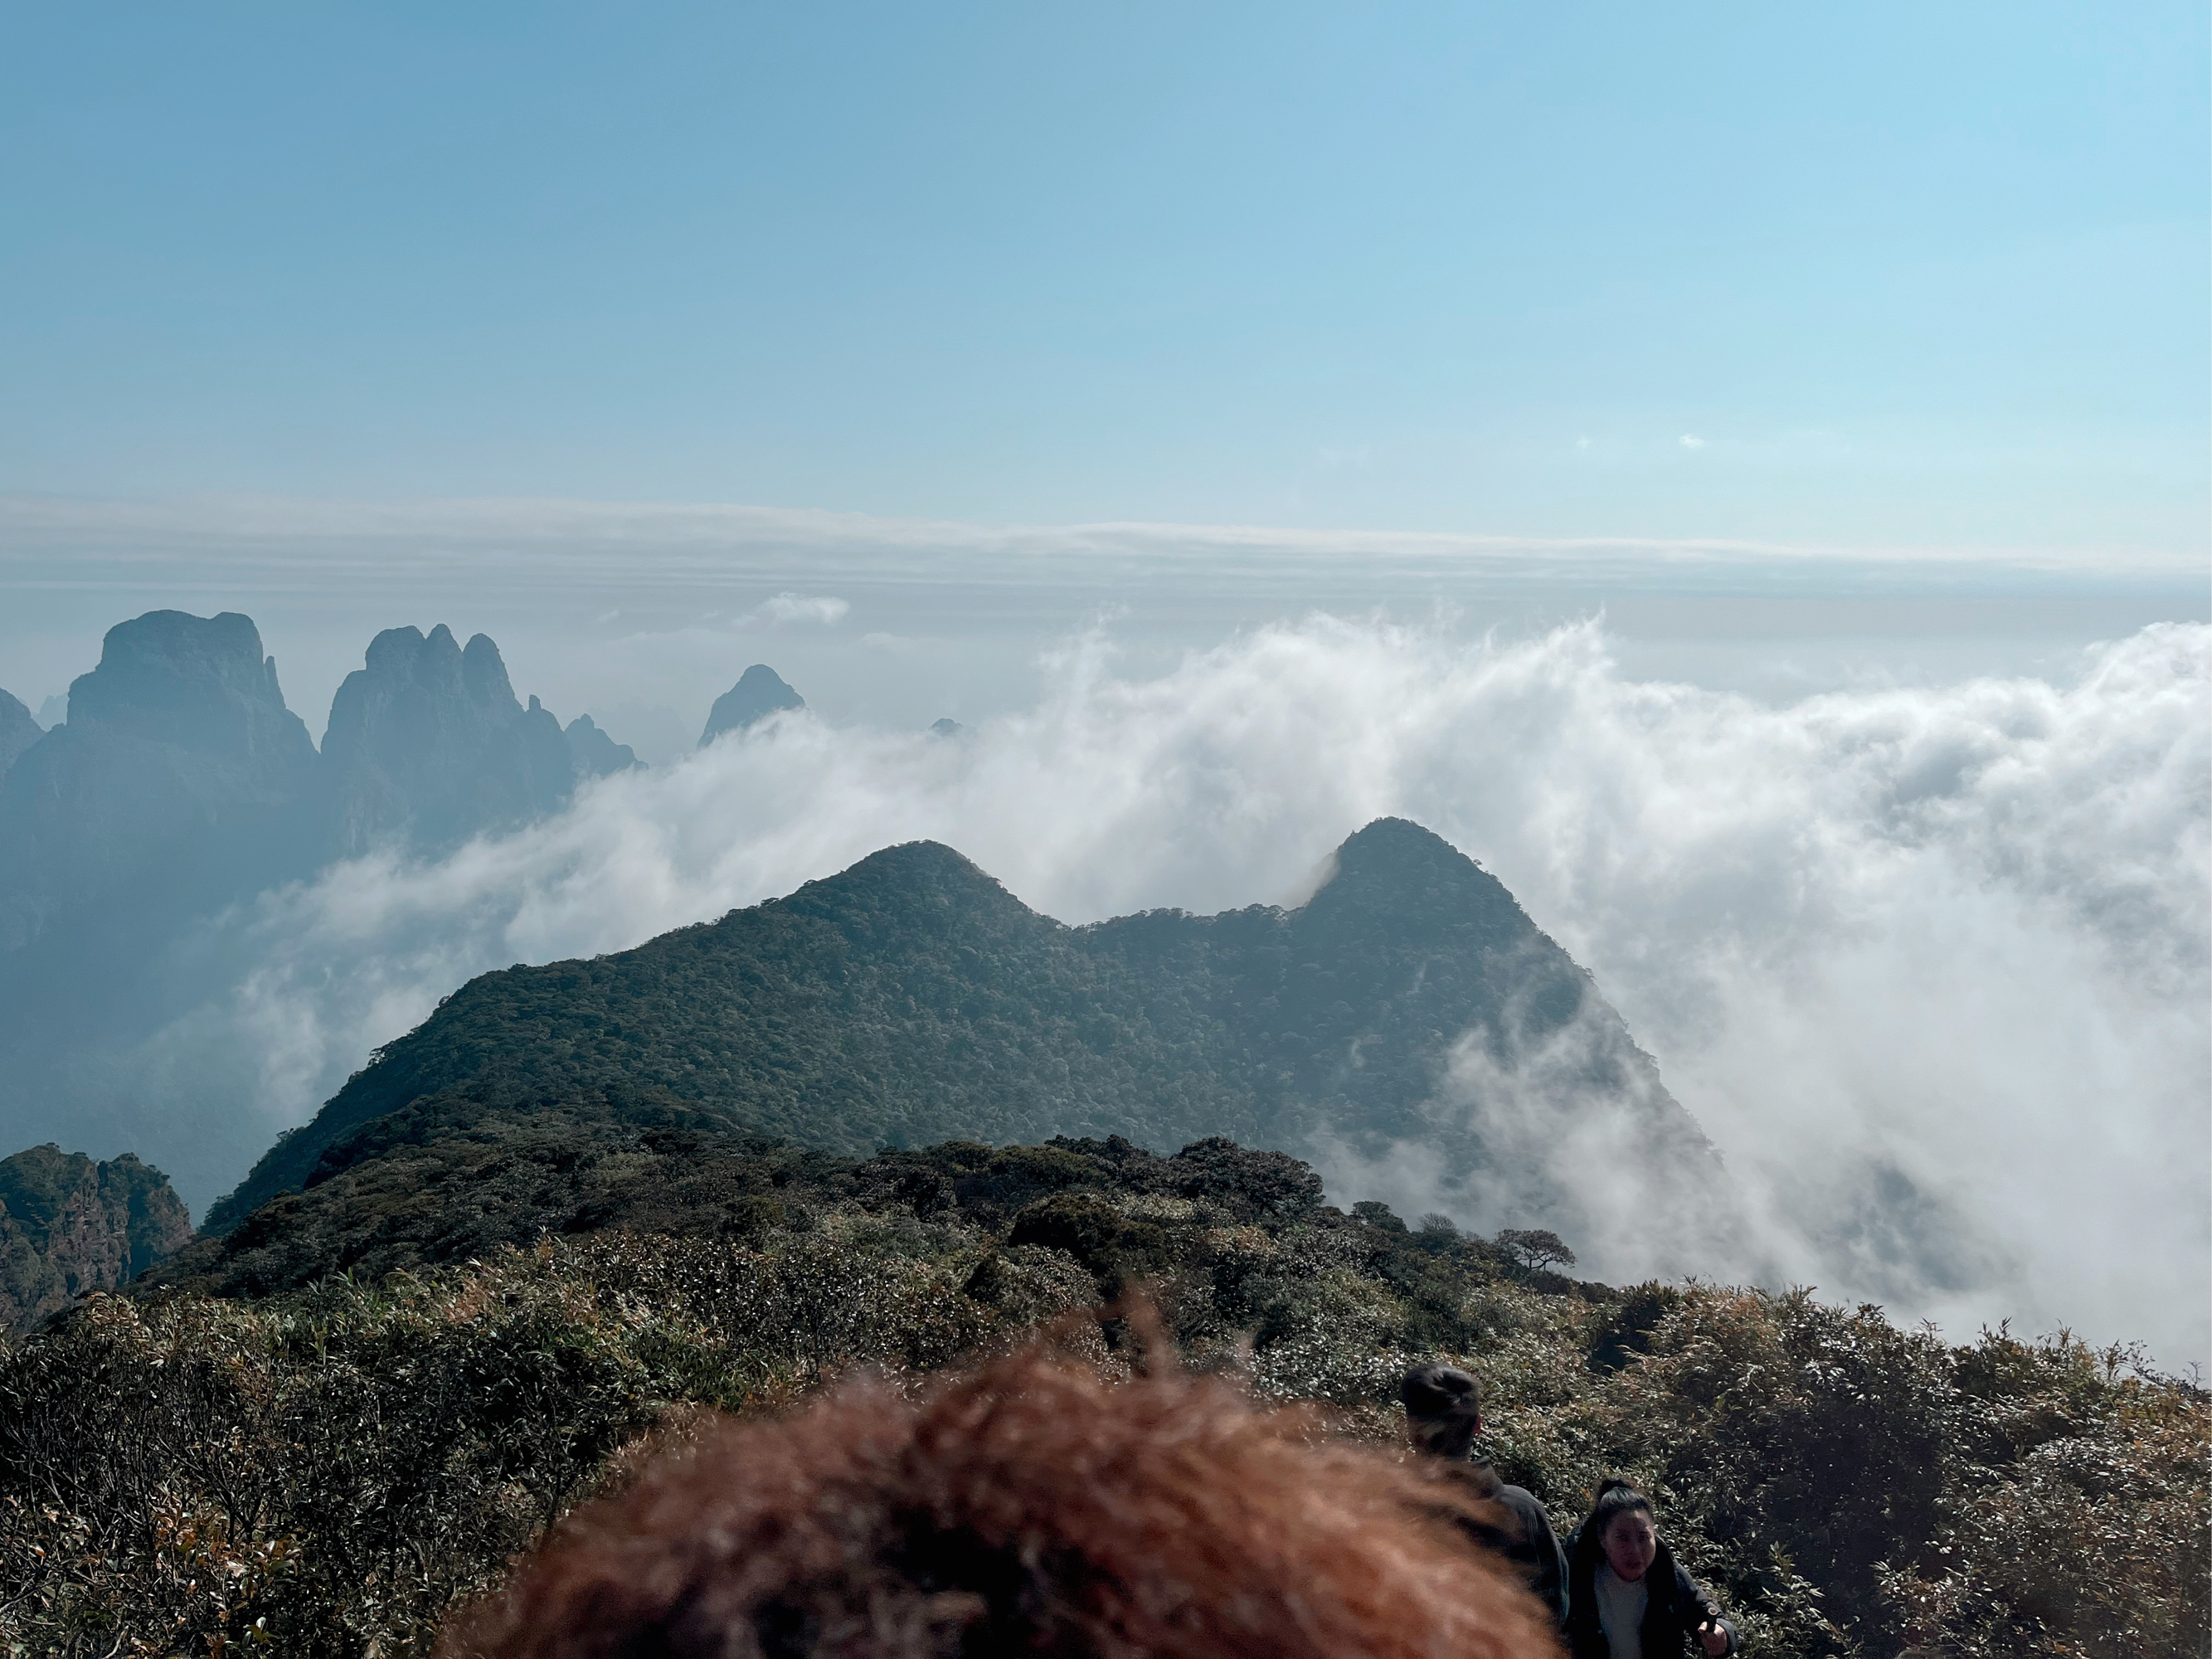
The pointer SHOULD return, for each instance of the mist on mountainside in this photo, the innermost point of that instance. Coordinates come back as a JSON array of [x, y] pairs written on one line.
[[1896, 950]]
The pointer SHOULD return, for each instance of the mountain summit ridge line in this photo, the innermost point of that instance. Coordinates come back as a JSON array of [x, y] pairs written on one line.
[[911, 999]]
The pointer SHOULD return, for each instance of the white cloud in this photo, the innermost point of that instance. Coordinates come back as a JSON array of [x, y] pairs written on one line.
[[803, 608], [1930, 965], [1690, 440]]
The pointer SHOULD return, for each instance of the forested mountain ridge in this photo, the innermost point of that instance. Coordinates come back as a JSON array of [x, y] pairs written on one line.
[[911, 999]]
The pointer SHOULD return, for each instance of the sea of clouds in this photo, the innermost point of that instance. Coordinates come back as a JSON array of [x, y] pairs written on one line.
[[1931, 966]]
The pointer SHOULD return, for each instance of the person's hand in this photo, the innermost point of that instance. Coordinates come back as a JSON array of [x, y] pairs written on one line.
[[1712, 1637]]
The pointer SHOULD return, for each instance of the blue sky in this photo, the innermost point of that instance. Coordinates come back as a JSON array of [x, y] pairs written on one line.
[[1873, 277]]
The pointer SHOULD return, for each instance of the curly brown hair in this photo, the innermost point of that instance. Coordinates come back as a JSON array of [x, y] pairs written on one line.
[[1032, 1506]]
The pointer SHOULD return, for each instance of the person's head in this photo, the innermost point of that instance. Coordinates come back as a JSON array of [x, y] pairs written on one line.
[[1443, 1409], [1622, 1523], [1029, 1507]]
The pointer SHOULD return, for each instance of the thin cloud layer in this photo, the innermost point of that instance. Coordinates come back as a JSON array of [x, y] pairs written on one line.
[[277, 544], [1930, 966]]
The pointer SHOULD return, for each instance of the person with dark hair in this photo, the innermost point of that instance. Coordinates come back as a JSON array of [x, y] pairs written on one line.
[[1443, 1415], [1629, 1599], [1031, 1507]]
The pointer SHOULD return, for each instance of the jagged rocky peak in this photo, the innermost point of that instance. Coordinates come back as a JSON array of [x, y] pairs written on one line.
[[595, 754], [427, 746], [18, 731], [200, 684], [69, 1226], [760, 691]]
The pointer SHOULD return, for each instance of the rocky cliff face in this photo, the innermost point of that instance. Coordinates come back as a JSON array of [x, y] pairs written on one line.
[[760, 691], [428, 747], [179, 771], [18, 731], [68, 1226]]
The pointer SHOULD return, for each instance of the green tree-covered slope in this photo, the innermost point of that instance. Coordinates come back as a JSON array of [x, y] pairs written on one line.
[[912, 999]]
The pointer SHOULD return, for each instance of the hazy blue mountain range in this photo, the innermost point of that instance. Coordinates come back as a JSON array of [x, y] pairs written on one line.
[[180, 761], [69, 1225], [181, 784], [912, 999], [179, 778]]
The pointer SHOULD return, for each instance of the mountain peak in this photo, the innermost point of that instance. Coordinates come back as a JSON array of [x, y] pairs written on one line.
[[199, 681], [760, 691], [1397, 842], [428, 746], [915, 876], [1400, 854], [1396, 875], [595, 753], [484, 671]]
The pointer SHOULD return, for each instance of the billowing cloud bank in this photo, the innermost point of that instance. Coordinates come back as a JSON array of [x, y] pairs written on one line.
[[1930, 965]]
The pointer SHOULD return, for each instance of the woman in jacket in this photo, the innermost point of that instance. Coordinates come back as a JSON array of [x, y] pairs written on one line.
[[1626, 1597]]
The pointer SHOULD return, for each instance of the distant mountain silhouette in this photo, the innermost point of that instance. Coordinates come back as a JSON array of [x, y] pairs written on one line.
[[69, 1226], [180, 784], [593, 753], [428, 747], [913, 999], [760, 691], [18, 731], [179, 767]]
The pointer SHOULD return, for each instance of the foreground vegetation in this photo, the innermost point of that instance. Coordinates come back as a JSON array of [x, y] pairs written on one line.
[[323, 1468]]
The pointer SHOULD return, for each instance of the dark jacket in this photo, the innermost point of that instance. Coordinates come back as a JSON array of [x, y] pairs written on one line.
[[1519, 1530], [1674, 1608]]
